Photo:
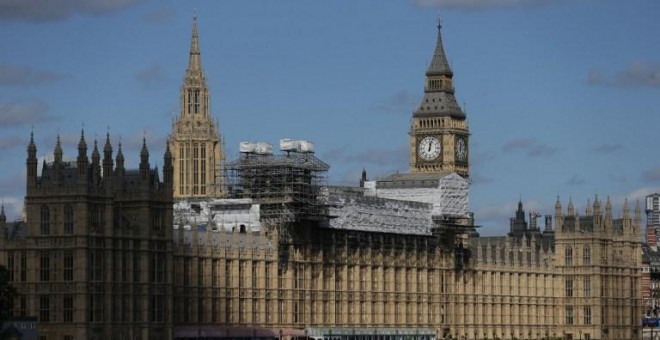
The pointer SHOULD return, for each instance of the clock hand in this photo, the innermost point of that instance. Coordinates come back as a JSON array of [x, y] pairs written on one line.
[[429, 147]]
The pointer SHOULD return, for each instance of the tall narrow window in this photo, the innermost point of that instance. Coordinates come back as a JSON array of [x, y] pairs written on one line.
[[587, 315], [44, 267], [44, 308], [67, 315], [68, 219], [45, 220], [188, 156], [195, 169], [23, 267], [196, 102], [586, 256], [587, 286], [190, 110], [10, 266], [68, 265], [181, 169], [569, 315], [568, 256], [202, 175], [569, 286]]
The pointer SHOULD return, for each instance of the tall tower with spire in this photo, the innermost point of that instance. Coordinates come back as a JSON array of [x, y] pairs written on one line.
[[439, 131], [195, 142]]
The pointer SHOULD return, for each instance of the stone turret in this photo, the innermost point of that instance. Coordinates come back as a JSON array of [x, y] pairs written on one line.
[[559, 219], [82, 157], [57, 153], [31, 164], [107, 161], [168, 166], [608, 215], [96, 164], [144, 161], [120, 170], [597, 213]]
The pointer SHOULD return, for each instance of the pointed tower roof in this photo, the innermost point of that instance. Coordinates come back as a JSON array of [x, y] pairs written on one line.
[[439, 99], [120, 155], [82, 145], [58, 149], [439, 64], [32, 147], [95, 152], [195, 59], [107, 148], [144, 153]]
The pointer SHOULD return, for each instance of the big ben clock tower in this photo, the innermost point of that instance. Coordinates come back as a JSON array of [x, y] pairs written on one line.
[[439, 131]]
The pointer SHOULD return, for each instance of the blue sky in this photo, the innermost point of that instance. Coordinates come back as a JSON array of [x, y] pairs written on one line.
[[562, 97]]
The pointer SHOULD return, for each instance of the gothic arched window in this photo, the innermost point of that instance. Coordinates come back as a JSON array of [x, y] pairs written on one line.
[[568, 256], [68, 219], [586, 255], [45, 220]]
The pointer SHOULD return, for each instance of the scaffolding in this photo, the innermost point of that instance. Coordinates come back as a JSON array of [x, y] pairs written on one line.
[[286, 186]]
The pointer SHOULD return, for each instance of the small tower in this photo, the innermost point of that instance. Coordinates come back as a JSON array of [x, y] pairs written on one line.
[[363, 178], [96, 164], [588, 210], [57, 164], [608, 215], [31, 164], [3, 225], [82, 157], [167, 166], [107, 161], [559, 219], [119, 170], [144, 161]]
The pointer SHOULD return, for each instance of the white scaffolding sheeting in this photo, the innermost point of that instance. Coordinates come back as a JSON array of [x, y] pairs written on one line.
[[224, 214], [448, 197], [356, 212]]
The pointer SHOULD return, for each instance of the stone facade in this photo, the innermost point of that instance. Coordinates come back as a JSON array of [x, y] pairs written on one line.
[[579, 279], [93, 259]]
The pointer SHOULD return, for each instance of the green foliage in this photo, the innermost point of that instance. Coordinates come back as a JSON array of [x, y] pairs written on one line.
[[7, 293]]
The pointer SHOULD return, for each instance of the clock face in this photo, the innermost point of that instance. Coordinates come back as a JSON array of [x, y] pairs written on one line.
[[429, 148], [461, 149]]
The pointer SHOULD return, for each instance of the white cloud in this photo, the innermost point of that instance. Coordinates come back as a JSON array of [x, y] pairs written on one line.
[[53, 10], [16, 114], [637, 74]]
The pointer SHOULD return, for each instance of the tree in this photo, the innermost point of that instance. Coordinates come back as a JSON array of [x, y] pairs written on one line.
[[7, 294]]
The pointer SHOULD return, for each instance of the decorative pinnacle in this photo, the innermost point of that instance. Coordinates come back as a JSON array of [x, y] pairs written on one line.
[[194, 62], [439, 64]]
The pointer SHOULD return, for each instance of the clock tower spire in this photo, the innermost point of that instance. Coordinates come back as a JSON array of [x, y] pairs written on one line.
[[439, 131]]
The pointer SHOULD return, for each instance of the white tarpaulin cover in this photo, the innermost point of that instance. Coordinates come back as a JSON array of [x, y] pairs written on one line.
[[224, 214], [357, 212], [448, 194]]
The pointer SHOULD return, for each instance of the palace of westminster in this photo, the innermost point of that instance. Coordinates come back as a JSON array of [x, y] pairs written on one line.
[[261, 247]]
